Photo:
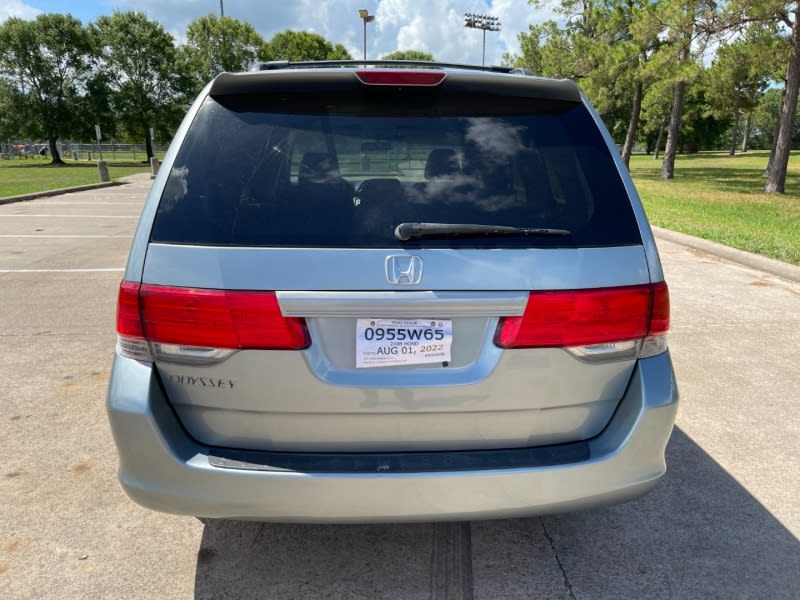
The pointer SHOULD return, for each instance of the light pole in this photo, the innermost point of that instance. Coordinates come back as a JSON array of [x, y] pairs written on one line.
[[485, 22], [221, 9], [368, 18]]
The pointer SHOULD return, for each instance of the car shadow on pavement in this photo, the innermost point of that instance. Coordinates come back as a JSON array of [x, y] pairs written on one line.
[[699, 534], [271, 560]]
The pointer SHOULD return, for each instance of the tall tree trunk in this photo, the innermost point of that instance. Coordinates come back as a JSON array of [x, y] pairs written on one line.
[[748, 124], [774, 143], [776, 172], [55, 157], [148, 143], [633, 125], [668, 166], [659, 138], [732, 151]]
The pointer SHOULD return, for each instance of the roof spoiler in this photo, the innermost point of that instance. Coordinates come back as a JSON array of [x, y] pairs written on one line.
[[415, 64]]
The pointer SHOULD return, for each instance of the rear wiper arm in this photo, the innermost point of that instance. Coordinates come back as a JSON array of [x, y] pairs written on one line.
[[407, 231]]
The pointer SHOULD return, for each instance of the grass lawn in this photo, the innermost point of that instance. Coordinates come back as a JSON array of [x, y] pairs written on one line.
[[33, 175], [720, 198]]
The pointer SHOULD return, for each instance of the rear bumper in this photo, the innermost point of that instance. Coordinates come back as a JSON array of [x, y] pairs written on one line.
[[162, 468]]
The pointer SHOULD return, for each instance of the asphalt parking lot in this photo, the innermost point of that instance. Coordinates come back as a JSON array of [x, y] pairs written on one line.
[[724, 523]]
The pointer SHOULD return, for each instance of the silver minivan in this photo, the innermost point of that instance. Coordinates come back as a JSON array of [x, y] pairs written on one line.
[[379, 292]]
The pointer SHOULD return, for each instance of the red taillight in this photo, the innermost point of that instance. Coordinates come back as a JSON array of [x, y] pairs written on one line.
[[586, 317], [129, 322], [659, 318], [208, 318], [400, 77]]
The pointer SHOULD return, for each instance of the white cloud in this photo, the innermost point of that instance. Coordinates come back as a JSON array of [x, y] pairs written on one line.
[[17, 8], [516, 17], [435, 26]]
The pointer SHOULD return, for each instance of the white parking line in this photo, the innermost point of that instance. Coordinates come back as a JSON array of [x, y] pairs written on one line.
[[110, 270], [14, 235]]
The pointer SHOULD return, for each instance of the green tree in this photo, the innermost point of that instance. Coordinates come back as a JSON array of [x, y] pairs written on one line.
[[217, 44], [45, 62], [9, 114], [302, 45], [701, 129], [95, 108], [766, 116], [139, 59], [410, 55], [740, 13], [656, 108], [600, 45], [735, 82], [684, 27]]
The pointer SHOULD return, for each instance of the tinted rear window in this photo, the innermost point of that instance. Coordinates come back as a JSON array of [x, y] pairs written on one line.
[[344, 172]]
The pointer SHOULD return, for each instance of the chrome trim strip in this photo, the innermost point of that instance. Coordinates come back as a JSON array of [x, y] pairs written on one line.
[[406, 304], [190, 355]]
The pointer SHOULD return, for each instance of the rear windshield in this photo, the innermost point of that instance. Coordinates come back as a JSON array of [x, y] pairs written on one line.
[[305, 171]]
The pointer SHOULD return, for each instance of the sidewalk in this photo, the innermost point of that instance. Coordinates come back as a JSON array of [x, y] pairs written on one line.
[[77, 188], [748, 259]]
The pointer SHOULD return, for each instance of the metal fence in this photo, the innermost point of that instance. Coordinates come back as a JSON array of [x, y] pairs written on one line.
[[111, 151], [19, 150]]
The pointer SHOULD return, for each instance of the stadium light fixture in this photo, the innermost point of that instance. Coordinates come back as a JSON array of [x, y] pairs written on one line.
[[363, 13], [484, 22]]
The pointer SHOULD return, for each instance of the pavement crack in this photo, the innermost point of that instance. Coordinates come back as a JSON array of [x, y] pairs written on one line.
[[567, 583]]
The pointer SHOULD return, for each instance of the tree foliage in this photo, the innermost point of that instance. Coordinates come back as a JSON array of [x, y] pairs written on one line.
[[410, 55], [302, 45], [602, 45], [139, 58], [633, 58], [736, 81], [45, 63], [124, 72], [217, 44], [640, 61], [742, 13]]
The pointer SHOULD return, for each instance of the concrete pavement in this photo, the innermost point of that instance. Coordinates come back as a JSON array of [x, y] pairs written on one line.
[[724, 523]]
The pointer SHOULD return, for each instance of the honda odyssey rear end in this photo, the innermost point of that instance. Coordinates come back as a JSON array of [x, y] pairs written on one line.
[[388, 294]]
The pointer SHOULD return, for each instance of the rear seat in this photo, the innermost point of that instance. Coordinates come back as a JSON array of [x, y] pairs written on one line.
[[281, 213], [321, 191], [381, 205]]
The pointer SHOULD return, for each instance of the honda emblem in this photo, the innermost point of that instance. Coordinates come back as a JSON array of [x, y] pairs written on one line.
[[403, 269]]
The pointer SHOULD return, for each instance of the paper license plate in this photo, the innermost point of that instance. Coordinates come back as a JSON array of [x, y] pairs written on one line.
[[389, 342]]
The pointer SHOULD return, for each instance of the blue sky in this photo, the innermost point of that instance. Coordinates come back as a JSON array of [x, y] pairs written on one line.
[[434, 26]]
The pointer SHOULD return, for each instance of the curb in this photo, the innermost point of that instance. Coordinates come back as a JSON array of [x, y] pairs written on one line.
[[747, 259], [58, 192]]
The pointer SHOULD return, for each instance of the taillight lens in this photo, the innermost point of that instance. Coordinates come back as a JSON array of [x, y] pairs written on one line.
[[587, 317], [200, 318], [659, 316], [129, 321], [130, 335], [218, 319], [400, 77]]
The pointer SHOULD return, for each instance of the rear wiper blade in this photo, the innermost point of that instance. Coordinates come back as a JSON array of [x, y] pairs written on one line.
[[407, 231]]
